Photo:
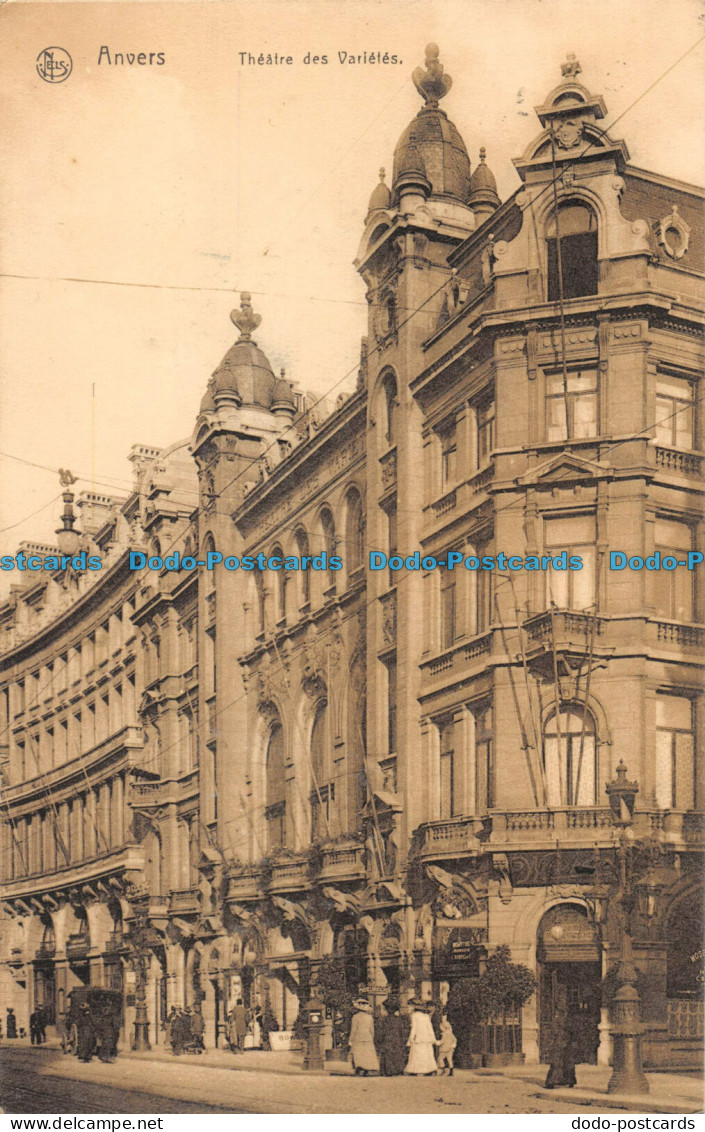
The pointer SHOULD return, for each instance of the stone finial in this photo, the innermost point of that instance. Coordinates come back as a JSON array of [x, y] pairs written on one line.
[[245, 319], [382, 175], [571, 68], [483, 153], [431, 83]]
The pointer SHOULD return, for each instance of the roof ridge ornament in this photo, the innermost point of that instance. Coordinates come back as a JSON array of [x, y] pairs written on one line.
[[571, 68], [431, 83], [245, 319]]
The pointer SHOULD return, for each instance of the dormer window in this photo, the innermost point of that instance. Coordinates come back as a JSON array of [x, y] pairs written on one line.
[[576, 231]]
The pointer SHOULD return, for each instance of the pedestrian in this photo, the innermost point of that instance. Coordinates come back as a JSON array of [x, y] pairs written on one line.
[[421, 1042], [446, 1046], [85, 1026], [562, 1047], [198, 1028], [391, 1035], [238, 1027], [188, 1027], [168, 1022], [35, 1028], [11, 1023], [178, 1032], [42, 1027], [362, 1039], [62, 1032], [257, 1027]]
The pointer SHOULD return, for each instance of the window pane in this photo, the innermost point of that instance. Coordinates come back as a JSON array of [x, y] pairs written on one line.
[[683, 422], [558, 588], [555, 419], [674, 712], [674, 387], [664, 770], [672, 533], [584, 580], [683, 593], [553, 780], [585, 415], [447, 785], [584, 771], [685, 771], [569, 531]]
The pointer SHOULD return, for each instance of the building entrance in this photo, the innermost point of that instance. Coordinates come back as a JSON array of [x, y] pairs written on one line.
[[569, 978], [45, 991]]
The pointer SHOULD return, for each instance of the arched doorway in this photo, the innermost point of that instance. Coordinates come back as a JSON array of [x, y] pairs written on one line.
[[45, 973], [568, 952]]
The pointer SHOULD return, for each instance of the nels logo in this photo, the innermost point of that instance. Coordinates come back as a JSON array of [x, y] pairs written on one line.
[[54, 65]]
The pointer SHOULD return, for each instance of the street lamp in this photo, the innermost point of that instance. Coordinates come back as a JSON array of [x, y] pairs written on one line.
[[627, 1072], [139, 938]]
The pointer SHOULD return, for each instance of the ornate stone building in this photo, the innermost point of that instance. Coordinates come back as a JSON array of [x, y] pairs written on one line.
[[403, 769]]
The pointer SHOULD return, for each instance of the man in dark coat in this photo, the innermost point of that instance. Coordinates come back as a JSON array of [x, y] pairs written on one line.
[[562, 1052], [391, 1036], [35, 1027], [198, 1027], [240, 1024], [11, 1023], [178, 1033], [85, 1045]]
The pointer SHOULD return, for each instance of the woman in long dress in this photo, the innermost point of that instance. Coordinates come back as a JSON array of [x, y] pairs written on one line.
[[362, 1039], [392, 1034], [422, 1042], [562, 1053]]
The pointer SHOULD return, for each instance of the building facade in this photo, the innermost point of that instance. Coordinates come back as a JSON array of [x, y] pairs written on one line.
[[249, 771]]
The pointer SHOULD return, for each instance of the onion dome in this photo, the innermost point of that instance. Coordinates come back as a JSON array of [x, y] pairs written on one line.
[[381, 196], [445, 159], [244, 377], [484, 198], [284, 401]]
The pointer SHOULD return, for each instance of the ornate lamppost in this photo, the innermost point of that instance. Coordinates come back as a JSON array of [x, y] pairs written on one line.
[[627, 1072], [139, 938]]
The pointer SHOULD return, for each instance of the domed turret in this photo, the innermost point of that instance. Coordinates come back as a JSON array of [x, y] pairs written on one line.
[[445, 160], [484, 198], [284, 401], [381, 197], [244, 377]]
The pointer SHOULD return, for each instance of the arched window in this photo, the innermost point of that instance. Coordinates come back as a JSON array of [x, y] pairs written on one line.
[[574, 226], [275, 812], [328, 528], [303, 577], [281, 580], [323, 789], [354, 531], [391, 404], [569, 757], [261, 594]]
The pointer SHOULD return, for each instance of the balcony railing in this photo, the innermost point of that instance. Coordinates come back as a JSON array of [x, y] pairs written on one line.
[[565, 823], [342, 862], [682, 463], [681, 635], [249, 884], [567, 625], [449, 837], [46, 951], [184, 901], [290, 874], [446, 504], [116, 941], [77, 947], [482, 479]]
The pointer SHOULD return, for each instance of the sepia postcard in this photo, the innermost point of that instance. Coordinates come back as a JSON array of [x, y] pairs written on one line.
[[352, 560]]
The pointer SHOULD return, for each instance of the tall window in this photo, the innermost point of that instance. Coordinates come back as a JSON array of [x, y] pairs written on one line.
[[571, 589], [448, 608], [484, 760], [391, 405], [391, 665], [281, 583], [323, 792], [447, 767], [303, 577], [484, 417], [675, 751], [569, 754], [675, 412], [581, 402], [328, 528], [449, 450], [275, 812], [354, 531], [577, 230], [675, 589]]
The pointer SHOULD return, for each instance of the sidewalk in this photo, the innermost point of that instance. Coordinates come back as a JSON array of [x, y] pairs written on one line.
[[669, 1092]]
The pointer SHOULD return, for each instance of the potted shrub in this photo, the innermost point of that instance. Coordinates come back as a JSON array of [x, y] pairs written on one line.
[[504, 988], [332, 990]]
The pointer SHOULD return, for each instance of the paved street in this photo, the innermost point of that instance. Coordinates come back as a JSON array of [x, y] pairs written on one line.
[[45, 1081]]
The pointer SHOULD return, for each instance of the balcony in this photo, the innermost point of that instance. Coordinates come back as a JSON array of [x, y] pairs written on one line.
[[342, 862], [248, 884], [77, 947], [45, 951], [290, 874], [677, 634], [571, 633], [184, 901], [577, 824], [445, 504], [116, 941], [460, 655], [449, 837], [482, 479], [679, 463]]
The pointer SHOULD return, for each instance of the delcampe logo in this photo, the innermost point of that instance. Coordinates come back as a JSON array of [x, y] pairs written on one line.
[[54, 65]]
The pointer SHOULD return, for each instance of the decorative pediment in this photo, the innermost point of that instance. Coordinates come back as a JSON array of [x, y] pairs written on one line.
[[564, 469]]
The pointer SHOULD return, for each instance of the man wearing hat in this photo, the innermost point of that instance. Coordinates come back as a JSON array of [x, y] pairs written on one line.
[[392, 1034], [362, 1039]]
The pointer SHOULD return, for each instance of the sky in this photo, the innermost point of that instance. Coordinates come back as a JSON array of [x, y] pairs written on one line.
[[168, 189]]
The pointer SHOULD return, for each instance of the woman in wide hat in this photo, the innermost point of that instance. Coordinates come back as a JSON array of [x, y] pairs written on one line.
[[391, 1034], [422, 1041], [362, 1039]]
